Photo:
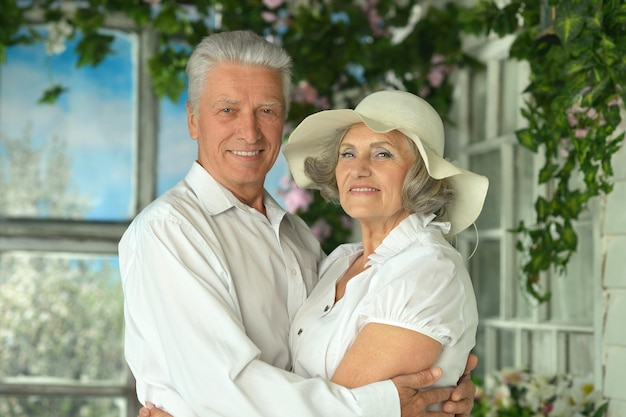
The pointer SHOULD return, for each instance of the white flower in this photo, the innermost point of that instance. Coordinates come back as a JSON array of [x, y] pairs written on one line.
[[58, 32]]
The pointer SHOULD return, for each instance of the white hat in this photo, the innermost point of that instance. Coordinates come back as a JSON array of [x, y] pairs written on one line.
[[383, 112]]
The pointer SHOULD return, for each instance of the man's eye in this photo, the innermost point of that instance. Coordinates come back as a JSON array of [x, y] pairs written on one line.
[[227, 110]]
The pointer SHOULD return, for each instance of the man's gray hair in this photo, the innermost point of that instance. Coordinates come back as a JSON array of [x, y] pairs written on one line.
[[239, 47]]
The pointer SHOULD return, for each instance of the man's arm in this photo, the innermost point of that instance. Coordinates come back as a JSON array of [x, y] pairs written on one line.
[[414, 402]]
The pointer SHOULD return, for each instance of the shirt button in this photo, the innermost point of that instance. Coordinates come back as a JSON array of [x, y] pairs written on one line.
[[299, 332], [293, 272]]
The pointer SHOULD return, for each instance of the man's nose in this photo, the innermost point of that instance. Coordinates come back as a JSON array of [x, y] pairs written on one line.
[[249, 128]]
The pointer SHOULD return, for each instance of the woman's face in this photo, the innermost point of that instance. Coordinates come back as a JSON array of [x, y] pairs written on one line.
[[370, 174]]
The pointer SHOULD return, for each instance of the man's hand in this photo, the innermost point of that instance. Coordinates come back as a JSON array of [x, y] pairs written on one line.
[[461, 401], [413, 402], [151, 411]]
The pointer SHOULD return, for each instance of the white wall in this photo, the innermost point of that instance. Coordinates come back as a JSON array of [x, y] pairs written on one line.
[[612, 318]]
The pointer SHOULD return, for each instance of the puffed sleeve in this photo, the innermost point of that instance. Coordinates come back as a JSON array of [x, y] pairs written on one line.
[[423, 294]]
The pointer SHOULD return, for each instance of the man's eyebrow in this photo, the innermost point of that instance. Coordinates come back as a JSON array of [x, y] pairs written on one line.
[[272, 103], [221, 101]]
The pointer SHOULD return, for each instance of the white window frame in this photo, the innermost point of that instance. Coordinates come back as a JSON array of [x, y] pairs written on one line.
[[557, 335]]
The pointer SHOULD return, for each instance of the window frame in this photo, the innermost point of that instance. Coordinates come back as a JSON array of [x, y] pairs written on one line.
[[492, 52], [95, 237]]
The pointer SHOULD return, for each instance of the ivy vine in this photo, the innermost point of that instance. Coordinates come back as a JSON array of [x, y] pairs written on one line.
[[577, 61]]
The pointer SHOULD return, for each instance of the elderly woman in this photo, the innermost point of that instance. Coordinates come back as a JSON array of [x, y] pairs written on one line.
[[401, 300]]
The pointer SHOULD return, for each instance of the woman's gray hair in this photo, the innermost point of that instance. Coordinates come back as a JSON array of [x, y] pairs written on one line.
[[421, 193], [240, 47]]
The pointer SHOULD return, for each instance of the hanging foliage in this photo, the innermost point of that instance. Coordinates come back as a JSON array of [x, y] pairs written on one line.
[[577, 61]]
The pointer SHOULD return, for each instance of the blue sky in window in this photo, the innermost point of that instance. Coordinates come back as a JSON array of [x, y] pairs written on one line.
[[96, 118]]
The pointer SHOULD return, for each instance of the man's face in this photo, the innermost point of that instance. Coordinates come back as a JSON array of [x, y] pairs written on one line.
[[239, 126]]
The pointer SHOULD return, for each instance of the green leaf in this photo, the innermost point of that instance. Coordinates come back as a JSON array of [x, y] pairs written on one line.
[[542, 207], [569, 238], [51, 94], [167, 21], [547, 172], [570, 18], [526, 138], [93, 48]]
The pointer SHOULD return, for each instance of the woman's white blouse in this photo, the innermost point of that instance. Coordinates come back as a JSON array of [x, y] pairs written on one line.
[[415, 280]]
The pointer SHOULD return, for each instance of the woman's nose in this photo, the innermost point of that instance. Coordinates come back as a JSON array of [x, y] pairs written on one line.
[[361, 167]]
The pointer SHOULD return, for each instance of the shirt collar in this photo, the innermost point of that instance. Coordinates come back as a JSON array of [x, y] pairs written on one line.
[[216, 199], [410, 230]]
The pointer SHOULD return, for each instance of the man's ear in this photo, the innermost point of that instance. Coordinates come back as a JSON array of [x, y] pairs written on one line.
[[192, 123]]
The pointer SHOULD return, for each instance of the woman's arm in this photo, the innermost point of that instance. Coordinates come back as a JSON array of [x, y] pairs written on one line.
[[382, 351]]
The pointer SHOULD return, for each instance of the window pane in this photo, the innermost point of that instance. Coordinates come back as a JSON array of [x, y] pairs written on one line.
[[485, 272], [573, 292], [71, 159], [580, 354], [62, 317], [506, 348], [478, 106], [509, 96], [524, 185], [542, 346], [44, 406], [177, 150], [488, 164]]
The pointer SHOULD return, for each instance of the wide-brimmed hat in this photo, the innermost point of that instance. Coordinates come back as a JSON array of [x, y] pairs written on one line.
[[382, 112]]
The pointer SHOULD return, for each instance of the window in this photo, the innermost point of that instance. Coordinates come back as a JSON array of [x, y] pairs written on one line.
[[72, 176], [515, 332], [66, 195]]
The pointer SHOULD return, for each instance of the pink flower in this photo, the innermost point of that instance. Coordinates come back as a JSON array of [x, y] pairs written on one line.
[[581, 133], [571, 119], [272, 4], [592, 113], [305, 93], [321, 230], [546, 409], [563, 151], [268, 17], [436, 76], [295, 198], [437, 59]]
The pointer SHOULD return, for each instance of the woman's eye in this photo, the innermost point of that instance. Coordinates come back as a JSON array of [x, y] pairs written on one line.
[[384, 154], [346, 155]]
